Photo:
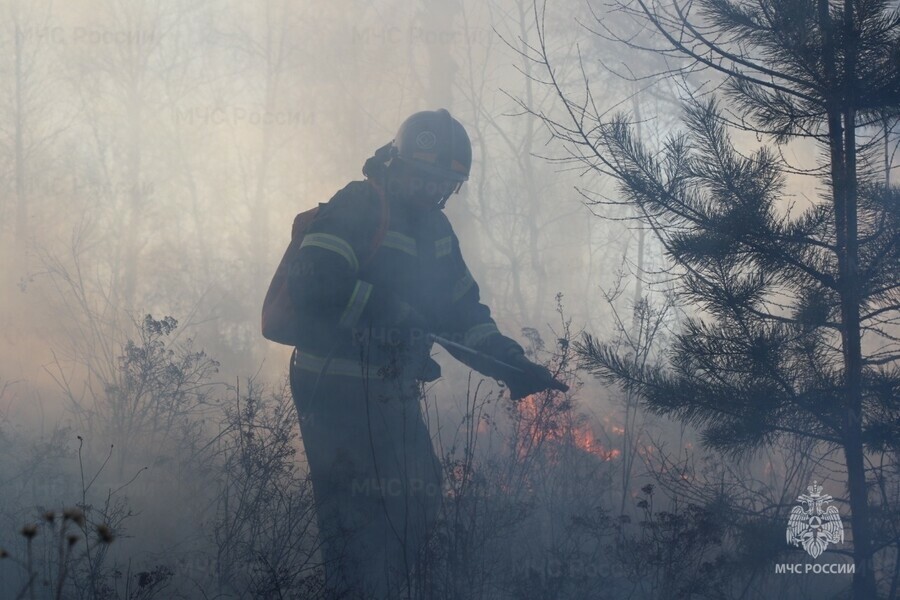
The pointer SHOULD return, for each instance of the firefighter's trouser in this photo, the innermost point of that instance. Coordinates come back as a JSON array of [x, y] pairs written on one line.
[[376, 479]]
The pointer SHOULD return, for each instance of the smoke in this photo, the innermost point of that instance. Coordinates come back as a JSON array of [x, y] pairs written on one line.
[[154, 156]]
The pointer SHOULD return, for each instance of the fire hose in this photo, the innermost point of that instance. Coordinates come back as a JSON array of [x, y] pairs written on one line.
[[501, 367]]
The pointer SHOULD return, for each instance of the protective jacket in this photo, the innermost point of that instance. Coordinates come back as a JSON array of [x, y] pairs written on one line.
[[352, 302]]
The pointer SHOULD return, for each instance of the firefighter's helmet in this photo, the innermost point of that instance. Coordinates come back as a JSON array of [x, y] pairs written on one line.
[[436, 143]]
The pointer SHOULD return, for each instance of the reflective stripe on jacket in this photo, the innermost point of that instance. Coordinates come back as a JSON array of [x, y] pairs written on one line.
[[349, 298]]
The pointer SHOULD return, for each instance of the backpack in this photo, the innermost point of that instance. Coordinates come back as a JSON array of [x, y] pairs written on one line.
[[279, 316]]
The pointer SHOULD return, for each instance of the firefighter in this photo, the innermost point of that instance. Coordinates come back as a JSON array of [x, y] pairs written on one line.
[[378, 270]]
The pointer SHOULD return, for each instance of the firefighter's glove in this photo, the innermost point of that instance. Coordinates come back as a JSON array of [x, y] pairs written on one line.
[[530, 378]]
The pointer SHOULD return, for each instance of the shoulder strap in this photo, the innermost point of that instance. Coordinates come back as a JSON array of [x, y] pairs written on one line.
[[383, 222]]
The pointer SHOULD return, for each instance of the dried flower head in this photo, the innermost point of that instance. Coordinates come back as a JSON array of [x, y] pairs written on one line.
[[72, 539], [3, 553], [74, 514], [105, 534], [49, 516], [29, 531]]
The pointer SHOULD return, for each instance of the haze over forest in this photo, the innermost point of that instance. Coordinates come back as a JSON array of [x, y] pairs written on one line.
[[153, 156]]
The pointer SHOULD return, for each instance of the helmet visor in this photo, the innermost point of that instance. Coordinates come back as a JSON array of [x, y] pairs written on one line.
[[459, 175]]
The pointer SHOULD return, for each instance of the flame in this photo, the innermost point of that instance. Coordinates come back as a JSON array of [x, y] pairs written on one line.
[[587, 441], [645, 450], [544, 422]]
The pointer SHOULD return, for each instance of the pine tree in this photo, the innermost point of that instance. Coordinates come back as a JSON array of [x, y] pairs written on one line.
[[796, 332]]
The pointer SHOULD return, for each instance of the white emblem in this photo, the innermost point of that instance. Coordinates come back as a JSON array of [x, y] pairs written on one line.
[[426, 140], [815, 528]]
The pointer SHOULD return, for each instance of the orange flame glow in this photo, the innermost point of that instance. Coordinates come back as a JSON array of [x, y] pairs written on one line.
[[542, 422]]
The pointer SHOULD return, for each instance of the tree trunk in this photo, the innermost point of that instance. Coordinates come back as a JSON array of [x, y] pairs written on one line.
[[533, 215], [848, 269], [842, 143]]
